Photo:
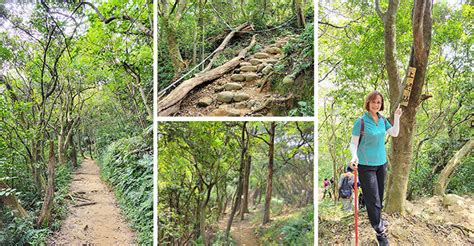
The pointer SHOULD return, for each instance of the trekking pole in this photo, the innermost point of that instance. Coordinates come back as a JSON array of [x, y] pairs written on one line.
[[356, 206]]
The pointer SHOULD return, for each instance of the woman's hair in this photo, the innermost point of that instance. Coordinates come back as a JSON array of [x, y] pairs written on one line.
[[372, 97]]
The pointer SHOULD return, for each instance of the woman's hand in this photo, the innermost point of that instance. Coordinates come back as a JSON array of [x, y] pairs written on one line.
[[354, 163], [398, 111]]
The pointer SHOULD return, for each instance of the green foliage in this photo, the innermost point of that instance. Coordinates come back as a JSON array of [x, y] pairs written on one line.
[[294, 229], [127, 165], [303, 109], [19, 231]]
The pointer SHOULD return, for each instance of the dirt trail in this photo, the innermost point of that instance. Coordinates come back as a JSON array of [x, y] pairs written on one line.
[[429, 221], [242, 232], [98, 221]]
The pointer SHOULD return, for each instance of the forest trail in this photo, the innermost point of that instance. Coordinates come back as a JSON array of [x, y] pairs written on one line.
[[99, 223], [242, 92], [242, 231], [429, 221]]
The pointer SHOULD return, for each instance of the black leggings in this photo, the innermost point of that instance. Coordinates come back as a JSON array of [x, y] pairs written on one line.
[[372, 181]]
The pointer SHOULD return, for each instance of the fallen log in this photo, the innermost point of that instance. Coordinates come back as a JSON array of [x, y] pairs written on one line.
[[165, 106], [224, 44]]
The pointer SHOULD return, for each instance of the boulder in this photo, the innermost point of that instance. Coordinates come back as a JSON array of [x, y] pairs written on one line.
[[250, 76], [225, 96], [254, 61], [232, 86], [225, 111], [237, 77], [452, 199], [273, 50], [243, 64], [241, 105], [261, 55], [238, 97], [271, 61], [248, 69], [204, 102]]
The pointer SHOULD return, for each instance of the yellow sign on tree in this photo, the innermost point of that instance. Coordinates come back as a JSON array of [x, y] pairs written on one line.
[[409, 84]]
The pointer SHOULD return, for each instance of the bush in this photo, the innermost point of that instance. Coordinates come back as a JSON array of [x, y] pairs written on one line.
[[127, 165]]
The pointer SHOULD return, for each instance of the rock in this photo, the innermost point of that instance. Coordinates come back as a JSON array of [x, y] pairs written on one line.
[[238, 97], [243, 64], [254, 61], [273, 50], [250, 76], [237, 77], [289, 80], [267, 69], [261, 55], [280, 44], [233, 112], [225, 96], [219, 89], [237, 70], [412, 209], [260, 67], [204, 102], [248, 69], [452, 199], [271, 61], [232, 86], [224, 111], [251, 102], [241, 105]]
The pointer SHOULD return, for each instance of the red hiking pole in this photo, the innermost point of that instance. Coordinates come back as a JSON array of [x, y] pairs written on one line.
[[356, 206]]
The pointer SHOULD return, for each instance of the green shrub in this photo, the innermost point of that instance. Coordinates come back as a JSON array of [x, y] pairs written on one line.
[[127, 165]]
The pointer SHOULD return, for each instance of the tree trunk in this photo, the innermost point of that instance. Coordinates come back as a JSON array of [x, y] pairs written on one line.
[[170, 104], [11, 202], [45, 214], [73, 153], [268, 195], [401, 149], [223, 45], [299, 12], [61, 150], [173, 47], [245, 203], [240, 185], [445, 175]]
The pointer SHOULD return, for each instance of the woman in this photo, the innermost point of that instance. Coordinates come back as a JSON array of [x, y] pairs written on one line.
[[370, 158]]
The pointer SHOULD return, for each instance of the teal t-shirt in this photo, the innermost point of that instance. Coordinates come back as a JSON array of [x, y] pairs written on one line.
[[371, 150]]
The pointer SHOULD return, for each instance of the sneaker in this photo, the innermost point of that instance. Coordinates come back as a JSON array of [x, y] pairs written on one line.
[[382, 238], [385, 223]]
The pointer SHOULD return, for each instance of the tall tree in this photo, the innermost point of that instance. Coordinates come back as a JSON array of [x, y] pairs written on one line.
[[268, 194], [401, 151]]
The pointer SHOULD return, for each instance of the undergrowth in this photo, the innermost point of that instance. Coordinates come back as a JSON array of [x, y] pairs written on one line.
[[23, 231], [296, 228], [127, 165]]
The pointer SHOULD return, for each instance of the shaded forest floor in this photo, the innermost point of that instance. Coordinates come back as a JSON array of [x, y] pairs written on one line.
[[246, 90], [94, 216], [251, 232], [428, 221], [242, 231]]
